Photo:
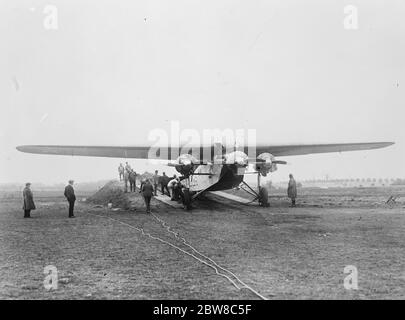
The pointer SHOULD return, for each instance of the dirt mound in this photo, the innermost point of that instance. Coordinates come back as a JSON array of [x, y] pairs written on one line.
[[146, 175], [113, 193]]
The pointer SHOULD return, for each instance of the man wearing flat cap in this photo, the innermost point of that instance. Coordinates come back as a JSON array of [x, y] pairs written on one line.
[[28, 200], [71, 198]]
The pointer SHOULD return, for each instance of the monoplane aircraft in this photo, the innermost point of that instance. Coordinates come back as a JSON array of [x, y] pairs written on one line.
[[210, 168]]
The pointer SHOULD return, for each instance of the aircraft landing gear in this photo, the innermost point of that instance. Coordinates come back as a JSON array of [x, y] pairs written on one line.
[[262, 195], [187, 199]]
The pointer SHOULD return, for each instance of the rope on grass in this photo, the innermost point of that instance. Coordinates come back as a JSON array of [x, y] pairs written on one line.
[[211, 265], [184, 241]]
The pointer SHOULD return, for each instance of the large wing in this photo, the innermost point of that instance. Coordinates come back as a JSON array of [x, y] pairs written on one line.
[[301, 149], [139, 152], [142, 152]]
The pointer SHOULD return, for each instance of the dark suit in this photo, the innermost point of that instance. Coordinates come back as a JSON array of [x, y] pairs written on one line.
[[28, 202], [292, 191], [71, 198], [147, 192], [132, 181], [156, 180], [164, 180]]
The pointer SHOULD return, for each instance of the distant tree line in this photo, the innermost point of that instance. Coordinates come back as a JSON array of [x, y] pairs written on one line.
[[398, 182]]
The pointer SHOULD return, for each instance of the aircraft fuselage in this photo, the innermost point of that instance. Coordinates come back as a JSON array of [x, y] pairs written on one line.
[[216, 177]]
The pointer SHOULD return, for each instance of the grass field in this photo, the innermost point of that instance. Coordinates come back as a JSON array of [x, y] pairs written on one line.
[[280, 252]]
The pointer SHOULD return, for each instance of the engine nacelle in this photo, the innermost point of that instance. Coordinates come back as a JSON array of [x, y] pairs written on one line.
[[185, 164], [237, 157], [267, 165]]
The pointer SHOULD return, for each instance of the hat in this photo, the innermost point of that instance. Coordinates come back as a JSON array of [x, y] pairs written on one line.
[[28, 184]]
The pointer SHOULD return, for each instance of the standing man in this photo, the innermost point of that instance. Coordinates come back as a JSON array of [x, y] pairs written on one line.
[[127, 167], [176, 190], [28, 200], [132, 181], [126, 179], [155, 181], [180, 193], [71, 198], [292, 190], [121, 171], [147, 192], [143, 180], [164, 180]]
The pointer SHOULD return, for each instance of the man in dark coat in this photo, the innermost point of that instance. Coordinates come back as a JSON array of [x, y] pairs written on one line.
[[147, 192], [143, 180], [180, 193], [126, 179], [28, 200], [292, 190], [132, 181], [71, 198], [156, 181], [164, 180]]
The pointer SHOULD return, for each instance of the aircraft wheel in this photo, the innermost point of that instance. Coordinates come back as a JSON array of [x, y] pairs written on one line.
[[264, 197], [187, 199]]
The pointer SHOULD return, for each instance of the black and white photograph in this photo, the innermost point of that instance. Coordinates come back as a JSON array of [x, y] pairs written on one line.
[[221, 152]]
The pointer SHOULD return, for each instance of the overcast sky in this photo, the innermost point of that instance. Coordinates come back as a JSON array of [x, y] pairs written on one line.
[[114, 70]]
